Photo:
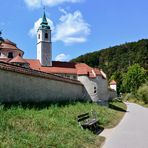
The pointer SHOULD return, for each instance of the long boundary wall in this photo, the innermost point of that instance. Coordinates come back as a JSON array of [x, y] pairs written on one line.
[[26, 85]]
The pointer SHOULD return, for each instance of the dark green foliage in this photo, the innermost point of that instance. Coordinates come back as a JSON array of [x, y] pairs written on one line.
[[140, 96], [134, 78], [118, 58]]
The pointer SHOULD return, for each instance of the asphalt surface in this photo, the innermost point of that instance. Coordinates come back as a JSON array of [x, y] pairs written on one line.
[[131, 132]]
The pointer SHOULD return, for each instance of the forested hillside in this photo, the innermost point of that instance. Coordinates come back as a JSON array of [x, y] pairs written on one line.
[[118, 58]]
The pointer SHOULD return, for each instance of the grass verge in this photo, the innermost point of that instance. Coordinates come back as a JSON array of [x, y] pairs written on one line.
[[53, 126], [137, 101]]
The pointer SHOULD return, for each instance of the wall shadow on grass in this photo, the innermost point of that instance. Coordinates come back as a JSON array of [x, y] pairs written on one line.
[[40, 105], [116, 108], [99, 130]]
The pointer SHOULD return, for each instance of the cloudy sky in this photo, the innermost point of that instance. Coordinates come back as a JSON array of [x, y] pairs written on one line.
[[78, 26]]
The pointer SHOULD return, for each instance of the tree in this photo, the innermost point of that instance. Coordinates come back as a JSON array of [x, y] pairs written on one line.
[[134, 78], [117, 58]]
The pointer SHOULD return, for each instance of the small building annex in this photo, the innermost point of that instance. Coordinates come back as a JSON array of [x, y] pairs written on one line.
[[94, 80]]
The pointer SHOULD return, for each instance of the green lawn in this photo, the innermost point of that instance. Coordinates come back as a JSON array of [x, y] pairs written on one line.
[[53, 126]]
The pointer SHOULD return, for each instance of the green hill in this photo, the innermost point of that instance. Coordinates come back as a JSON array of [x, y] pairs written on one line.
[[118, 58]]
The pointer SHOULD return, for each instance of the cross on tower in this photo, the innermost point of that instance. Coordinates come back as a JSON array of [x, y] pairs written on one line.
[[43, 5]]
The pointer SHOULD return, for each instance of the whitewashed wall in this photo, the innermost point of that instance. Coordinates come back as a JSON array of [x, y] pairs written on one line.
[[97, 88], [16, 87], [114, 87]]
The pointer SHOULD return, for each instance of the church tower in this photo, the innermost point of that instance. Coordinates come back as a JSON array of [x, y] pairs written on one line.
[[44, 45]]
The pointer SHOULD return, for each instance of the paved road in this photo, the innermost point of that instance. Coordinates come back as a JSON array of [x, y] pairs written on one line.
[[132, 131]]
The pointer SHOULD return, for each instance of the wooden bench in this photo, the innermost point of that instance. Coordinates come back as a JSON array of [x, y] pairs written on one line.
[[88, 122]]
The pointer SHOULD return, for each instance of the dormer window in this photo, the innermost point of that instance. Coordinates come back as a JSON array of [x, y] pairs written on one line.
[[10, 54], [46, 35]]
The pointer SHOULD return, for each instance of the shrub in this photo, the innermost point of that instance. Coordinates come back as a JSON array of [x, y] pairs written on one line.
[[142, 93], [129, 96]]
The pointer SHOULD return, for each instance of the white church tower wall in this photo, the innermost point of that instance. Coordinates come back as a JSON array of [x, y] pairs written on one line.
[[44, 45], [113, 87]]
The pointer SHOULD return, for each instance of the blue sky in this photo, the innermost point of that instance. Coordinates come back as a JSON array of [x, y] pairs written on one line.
[[79, 26]]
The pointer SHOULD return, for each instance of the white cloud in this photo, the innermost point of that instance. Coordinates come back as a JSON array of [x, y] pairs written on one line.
[[33, 3], [72, 28], [33, 31], [62, 57], [50, 3]]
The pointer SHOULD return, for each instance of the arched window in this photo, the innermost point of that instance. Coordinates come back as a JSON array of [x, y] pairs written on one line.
[[38, 36], [10, 54], [46, 35]]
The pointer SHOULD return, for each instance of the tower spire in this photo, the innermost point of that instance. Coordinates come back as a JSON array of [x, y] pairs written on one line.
[[44, 23]]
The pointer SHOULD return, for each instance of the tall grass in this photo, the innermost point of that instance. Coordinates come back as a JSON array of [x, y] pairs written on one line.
[[52, 126], [142, 93], [140, 96]]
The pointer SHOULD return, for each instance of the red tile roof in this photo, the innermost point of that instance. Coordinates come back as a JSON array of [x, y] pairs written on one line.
[[56, 68], [18, 59], [84, 69], [113, 82], [7, 44], [65, 68], [5, 59], [28, 71], [97, 71], [92, 75], [59, 67], [34, 64], [82, 72]]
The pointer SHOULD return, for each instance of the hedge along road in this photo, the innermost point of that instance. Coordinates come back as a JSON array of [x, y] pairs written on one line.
[[131, 132]]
